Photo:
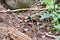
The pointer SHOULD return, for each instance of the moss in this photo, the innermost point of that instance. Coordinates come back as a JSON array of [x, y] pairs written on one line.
[[22, 5]]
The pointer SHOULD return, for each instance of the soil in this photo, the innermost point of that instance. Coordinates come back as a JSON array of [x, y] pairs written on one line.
[[34, 27]]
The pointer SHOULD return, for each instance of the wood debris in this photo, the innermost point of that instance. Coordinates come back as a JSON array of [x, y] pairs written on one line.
[[15, 34]]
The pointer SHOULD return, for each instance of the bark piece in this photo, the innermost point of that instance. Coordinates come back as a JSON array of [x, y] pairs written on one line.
[[15, 34]]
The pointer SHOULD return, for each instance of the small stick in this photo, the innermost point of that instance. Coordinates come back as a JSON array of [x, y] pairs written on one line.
[[22, 21], [52, 36], [5, 11], [48, 35]]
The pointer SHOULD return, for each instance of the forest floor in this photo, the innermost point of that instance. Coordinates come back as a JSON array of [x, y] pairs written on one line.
[[35, 28]]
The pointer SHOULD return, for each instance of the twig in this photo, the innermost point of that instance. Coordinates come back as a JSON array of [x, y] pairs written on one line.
[[52, 36], [5, 11], [48, 35]]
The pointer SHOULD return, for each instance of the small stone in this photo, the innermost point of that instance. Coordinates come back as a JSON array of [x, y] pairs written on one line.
[[48, 28], [43, 36], [20, 20], [30, 23], [10, 22], [50, 32], [17, 26], [34, 38], [26, 17], [25, 20], [25, 29], [57, 32], [19, 16], [41, 26], [38, 23]]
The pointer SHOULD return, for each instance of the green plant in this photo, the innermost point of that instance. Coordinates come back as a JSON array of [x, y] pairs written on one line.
[[52, 11]]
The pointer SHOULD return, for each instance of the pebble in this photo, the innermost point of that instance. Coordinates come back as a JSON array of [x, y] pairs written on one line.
[[26, 17], [17, 26], [25, 20], [19, 16], [25, 29], [48, 28], [34, 38], [20, 21], [57, 32], [10, 22], [43, 36], [41, 26], [50, 33], [30, 23], [38, 23]]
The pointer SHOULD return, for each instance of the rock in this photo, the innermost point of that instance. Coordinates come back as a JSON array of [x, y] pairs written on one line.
[[19, 16], [43, 36], [25, 21], [18, 26], [15, 4], [34, 38], [25, 29], [38, 23], [26, 17], [57, 32], [20, 21]]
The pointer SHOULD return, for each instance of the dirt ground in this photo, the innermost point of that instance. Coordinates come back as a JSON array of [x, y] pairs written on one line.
[[34, 28]]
